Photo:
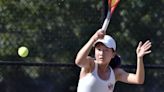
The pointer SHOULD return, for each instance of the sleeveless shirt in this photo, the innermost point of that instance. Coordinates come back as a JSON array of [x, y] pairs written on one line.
[[93, 83]]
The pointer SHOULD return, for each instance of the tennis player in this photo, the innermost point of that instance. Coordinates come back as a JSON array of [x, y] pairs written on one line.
[[100, 74]]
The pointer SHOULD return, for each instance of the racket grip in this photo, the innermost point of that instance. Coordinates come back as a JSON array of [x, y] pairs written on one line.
[[106, 22]]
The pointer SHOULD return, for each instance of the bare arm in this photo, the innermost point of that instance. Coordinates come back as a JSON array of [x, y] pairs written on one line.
[[139, 76], [82, 58]]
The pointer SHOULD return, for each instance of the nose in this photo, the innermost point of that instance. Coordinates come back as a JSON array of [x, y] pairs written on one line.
[[101, 52]]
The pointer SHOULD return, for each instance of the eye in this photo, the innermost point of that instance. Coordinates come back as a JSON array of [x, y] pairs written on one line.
[[106, 49], [99, 49]]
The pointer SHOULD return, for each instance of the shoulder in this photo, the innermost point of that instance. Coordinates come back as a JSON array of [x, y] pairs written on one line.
[[90, 65], [85, 70], [119, 72]]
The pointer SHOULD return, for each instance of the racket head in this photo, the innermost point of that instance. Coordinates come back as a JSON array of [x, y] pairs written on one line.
[[113, 2], [112, 5]]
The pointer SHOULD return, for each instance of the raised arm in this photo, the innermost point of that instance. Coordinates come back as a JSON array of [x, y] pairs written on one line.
[[139, 76], [82, 58]]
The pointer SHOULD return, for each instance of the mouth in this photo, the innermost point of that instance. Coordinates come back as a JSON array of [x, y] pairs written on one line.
[[101, 58]]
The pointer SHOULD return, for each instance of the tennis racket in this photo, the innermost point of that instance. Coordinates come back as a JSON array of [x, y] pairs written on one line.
[[112, 4]]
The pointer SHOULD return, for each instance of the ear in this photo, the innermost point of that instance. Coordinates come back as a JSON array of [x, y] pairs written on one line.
[[114, 54]]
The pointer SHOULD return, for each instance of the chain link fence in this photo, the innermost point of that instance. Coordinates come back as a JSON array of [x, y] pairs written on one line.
[[55, 30], [51, 77]]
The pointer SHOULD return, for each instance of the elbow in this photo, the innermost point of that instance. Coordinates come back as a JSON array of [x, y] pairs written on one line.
[[140, 79], [78, 61], [140, 82]]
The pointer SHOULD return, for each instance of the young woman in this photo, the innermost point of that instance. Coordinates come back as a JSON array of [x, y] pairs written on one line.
[[100, 74]]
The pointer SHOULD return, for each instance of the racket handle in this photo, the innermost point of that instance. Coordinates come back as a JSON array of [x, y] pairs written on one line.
[[106, 22]]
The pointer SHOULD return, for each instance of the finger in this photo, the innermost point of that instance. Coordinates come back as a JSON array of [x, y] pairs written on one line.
[[146, 43], [147, 52], [147, 47], [101, 35], [139, 45], [102, 31]]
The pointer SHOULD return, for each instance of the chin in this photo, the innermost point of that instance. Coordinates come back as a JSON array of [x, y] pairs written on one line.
[[101, 62]]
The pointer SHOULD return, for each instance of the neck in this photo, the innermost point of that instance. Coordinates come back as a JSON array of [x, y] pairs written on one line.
[[103, 68]]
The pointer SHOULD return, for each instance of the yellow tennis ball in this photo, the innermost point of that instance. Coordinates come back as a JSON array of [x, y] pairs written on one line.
[[23, 51]]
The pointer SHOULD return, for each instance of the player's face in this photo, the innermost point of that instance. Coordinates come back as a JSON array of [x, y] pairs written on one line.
[[103, 54]]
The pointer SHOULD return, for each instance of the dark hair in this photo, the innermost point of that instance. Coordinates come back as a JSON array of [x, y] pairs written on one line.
[[115, 62]]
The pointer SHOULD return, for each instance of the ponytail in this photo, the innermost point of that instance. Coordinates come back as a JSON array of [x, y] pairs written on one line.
[[115, 62]]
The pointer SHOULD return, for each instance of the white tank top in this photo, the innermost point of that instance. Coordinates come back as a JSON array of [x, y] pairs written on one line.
[[93, 83]]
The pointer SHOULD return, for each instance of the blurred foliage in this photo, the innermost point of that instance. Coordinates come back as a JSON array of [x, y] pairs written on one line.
[[55, 30]]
